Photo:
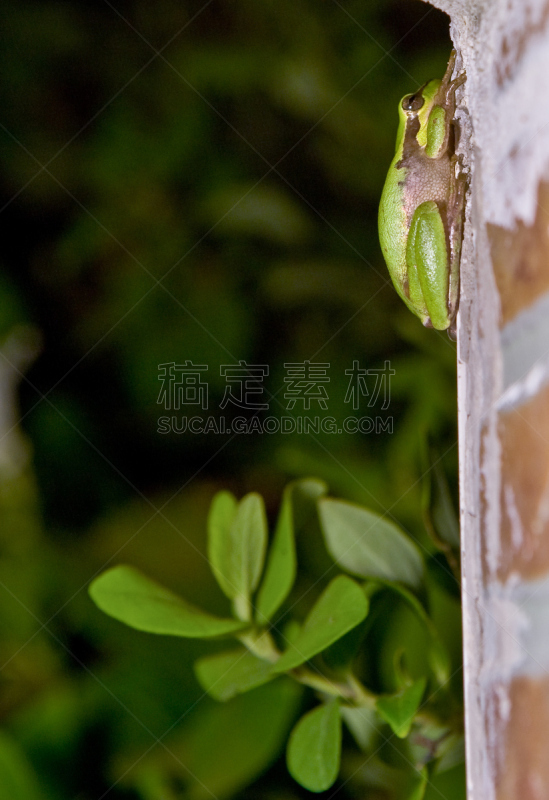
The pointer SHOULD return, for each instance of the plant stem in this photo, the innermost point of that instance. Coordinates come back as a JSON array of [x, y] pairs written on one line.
[[262, 645]]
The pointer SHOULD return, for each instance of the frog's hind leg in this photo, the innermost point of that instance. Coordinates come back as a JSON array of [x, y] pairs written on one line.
[[431, 256]]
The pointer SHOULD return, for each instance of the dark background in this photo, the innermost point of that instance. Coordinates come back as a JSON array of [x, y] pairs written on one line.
[[185, 181]]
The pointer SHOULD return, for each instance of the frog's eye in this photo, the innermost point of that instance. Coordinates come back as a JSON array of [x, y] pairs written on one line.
[[413, 102]]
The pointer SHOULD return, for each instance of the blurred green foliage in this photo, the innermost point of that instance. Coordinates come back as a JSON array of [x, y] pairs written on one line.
[[189, 181], [323, 650]]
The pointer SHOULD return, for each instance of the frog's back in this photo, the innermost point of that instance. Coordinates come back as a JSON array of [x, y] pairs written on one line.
[[393, 228]]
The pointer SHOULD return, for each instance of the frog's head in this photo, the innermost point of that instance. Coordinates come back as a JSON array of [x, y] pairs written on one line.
[[417, 105]]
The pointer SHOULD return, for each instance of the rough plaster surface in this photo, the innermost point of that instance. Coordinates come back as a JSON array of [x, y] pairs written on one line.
[[503, 362], [525, 345]]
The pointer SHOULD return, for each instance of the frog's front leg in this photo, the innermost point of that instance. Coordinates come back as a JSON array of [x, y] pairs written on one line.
[[440, 128]]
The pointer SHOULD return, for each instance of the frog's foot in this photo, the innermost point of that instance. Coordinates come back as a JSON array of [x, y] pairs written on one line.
[[450, 85]]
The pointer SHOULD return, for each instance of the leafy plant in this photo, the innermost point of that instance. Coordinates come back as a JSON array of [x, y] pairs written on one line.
[[384, 691]]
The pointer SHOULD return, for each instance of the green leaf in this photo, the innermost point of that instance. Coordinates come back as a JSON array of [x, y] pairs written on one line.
[[306, 492], [439, 660], [399, 709], [153, 782], [340, 607], [428, 742], [225, 746], [443, 569], [281, 566], [225, 675], [416, 785], [220, 518], [130, 597], [237, 551], [439, 515], [365, 544], [314, 749], [450, 753], [290, 631], [17, 778], [392, 783], [340, 655], [364, 725], [450, 784], [298, 506]]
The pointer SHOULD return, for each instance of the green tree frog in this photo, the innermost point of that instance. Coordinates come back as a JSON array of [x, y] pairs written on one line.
[[422, 205]]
